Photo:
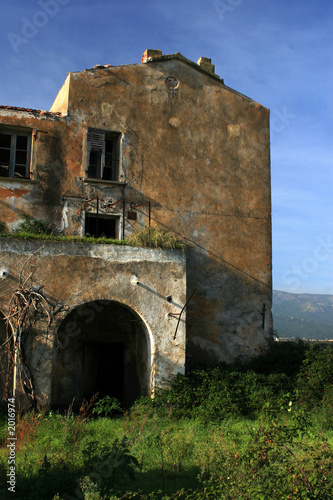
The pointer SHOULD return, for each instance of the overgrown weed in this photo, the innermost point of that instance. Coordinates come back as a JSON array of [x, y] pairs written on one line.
[[155, 237], [222, 433]]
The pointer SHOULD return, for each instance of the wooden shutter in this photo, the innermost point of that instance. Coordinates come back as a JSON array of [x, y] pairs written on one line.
[[96, 140]]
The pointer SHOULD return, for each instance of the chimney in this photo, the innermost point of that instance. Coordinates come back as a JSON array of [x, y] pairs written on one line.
[[150, 54], [207, 65]]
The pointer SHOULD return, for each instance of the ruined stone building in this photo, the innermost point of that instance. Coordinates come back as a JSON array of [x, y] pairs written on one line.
[[164, 142]]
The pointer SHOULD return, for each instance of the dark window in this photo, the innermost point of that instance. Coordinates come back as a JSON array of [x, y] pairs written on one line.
[[14, 154], [100, 226], [103, 155]]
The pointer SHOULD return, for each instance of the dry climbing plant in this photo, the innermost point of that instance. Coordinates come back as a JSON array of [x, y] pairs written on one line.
[[26, 306]]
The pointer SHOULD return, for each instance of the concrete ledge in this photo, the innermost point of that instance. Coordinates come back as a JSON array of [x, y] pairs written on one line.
[[115, 253]]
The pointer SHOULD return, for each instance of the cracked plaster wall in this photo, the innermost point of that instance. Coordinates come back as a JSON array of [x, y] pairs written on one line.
[[200, 153]]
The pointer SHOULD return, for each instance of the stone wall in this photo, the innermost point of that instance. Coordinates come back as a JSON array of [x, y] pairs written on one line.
[[198, 152], [111, 298]]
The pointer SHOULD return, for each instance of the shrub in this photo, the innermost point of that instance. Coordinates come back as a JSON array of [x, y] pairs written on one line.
[[327, 409], [107, 406], [35, 226], [216, 393], [89, 489], [315, 379], [282, 357], [276, 462]]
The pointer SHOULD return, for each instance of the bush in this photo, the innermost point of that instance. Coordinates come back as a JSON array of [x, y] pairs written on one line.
[[282, 357], [315, 379], [35, 226], [107, 406], [216, 393], [274, 465]]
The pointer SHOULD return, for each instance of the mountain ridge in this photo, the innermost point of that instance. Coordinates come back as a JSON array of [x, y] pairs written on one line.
[[304, 315]]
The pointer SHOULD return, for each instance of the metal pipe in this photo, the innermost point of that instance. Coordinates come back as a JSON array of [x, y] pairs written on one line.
[[123, 218], [97, 214], [181, 312]]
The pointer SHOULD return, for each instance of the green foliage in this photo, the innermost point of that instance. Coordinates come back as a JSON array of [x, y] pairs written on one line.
[[327, 408], [282, 357], [301, 328], [215, 393], [35, 226], [73, 239], [155, 237], [305, 371], [315, 379], [110, 461], [275, 464], [303, 315], [107, 406], [39, 229], [252, 431], [89, 489]]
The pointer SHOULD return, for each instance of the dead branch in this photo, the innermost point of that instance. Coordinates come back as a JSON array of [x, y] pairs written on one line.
[[26, 306]]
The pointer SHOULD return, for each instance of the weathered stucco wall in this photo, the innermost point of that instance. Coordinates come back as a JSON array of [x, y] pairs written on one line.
[[199, 152], [110, 294]]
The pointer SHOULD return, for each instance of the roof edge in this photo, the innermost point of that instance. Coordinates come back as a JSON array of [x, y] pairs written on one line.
[[30, 110], [178, 56]]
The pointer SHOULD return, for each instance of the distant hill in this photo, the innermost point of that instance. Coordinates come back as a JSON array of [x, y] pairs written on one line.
[[303, 315]]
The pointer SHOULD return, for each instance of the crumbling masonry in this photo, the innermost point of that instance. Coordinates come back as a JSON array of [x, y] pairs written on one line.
[[162, 142]]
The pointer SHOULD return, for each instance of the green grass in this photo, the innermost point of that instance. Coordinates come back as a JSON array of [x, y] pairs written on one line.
[[255, 440], [168, 456], [40, 229], [149, 238], [26, 235]]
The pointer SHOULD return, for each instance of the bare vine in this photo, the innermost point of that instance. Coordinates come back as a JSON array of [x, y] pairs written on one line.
[[27, 304]]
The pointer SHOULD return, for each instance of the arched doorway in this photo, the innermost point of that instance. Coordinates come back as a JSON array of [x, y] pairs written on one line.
[[102, 347]]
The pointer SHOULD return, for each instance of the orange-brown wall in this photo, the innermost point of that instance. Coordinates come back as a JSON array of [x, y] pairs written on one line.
[[200, 153]]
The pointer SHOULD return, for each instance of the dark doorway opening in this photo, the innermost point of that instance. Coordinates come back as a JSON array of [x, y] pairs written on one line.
[[103, 370], [102, 347]]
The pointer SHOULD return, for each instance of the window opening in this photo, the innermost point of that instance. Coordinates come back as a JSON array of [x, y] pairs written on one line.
[[14, 154], [100, 226], [103, 153]]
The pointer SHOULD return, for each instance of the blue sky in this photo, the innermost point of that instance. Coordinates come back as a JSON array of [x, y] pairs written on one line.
[[277, 52]]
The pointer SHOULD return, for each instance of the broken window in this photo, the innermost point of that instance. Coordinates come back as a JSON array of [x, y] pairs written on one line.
[[103, 155], [101, 226], [15, 154]]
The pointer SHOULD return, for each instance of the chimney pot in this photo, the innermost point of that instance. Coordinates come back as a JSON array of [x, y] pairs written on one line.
[[207, 65], [150, 53]]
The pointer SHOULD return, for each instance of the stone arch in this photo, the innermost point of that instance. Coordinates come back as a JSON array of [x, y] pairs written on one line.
[[102, 346]]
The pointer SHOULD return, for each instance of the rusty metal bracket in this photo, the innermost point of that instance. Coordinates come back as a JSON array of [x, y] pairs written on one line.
[[179, 315], [110, 205], [133, 207]]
